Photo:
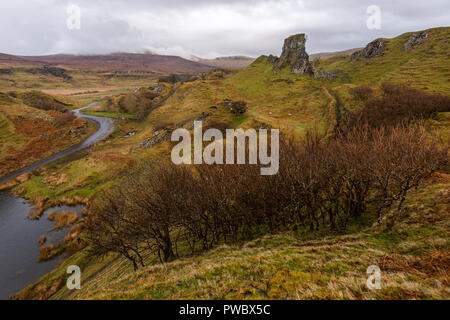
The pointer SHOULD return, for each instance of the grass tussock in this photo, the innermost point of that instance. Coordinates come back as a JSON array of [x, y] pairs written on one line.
[[49, 252], [63, 219]]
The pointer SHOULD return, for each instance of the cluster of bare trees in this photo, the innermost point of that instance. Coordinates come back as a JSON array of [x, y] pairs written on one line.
[[320, 184], [361, 170], [396, 104], [139, 103]]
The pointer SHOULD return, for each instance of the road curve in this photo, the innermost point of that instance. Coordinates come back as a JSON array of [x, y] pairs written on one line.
[[106, 127]]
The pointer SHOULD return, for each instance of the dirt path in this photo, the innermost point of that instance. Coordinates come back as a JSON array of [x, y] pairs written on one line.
[[338, 106]]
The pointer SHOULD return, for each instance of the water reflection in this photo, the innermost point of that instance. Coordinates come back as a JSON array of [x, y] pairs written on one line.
[[19, 248]]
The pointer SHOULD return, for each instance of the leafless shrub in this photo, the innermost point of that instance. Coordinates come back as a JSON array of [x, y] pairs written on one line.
[[402, 158], [320, 184], [363, 92], [114, 227], [397, 104]]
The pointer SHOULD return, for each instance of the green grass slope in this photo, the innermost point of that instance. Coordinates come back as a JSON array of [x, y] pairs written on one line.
[[426, 66], [413, 256]]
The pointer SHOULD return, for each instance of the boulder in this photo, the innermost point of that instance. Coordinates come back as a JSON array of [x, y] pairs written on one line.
[[158, 89], [327, 75], [235, 107], [373, 49], [156, 138], [272, 59], [415, 40]]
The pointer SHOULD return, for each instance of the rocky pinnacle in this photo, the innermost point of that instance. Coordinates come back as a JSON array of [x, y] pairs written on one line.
[[294, 56]]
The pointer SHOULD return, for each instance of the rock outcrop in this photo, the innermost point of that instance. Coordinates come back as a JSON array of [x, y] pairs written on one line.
[[158, 137], [235, 107], [293, 56], [327, 75], [373, 49], [415, 40], [6, 71]]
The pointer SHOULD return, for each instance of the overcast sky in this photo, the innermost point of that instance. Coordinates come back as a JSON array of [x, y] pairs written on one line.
[[206, 28]]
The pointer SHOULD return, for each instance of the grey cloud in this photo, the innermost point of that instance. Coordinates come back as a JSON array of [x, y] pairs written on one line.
[[205, 27]]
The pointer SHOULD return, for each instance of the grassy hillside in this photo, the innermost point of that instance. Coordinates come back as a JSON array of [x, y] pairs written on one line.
[[32, 128], [414, 259], [292, 265], [70, 80], [426, 66]]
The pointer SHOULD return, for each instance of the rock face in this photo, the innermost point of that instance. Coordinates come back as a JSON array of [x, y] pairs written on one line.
[[157, 137], [235, 107], [294, 56], [415, 40], [327, 75], [375, 48], [5, 71]]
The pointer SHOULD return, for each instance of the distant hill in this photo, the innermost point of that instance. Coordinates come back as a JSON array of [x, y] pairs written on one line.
[[112, 62], [226, 62], [10, 60], [326, 55]]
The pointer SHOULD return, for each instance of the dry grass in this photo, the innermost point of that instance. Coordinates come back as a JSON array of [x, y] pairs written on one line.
[[49, 252], [42, 239], [63, 219], [43, 291]]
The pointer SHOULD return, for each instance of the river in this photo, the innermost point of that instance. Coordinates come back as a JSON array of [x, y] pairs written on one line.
[[19, 248]]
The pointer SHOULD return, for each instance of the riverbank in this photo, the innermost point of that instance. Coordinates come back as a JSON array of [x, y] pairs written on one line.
[[20, 248], [19, 235]]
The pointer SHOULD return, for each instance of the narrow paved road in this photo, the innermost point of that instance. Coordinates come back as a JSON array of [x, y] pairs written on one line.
[[106, 127]]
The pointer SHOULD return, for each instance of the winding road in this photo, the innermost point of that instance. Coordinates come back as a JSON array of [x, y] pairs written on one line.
[[106, 127], [19, 249]]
